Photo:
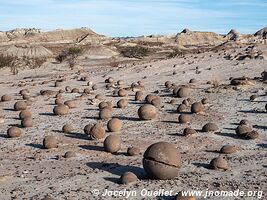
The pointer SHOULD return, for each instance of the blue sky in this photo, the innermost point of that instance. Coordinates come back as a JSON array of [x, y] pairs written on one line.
[[135, 17]]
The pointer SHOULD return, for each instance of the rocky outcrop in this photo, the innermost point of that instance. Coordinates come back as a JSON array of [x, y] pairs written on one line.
[[21, 36]]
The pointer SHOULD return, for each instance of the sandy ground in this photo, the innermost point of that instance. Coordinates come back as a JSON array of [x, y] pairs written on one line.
[[27, 171]]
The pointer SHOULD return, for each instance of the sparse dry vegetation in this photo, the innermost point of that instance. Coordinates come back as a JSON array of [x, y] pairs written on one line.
[[135, 52]]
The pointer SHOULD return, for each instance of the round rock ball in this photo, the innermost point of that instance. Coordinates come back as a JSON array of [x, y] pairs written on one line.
[[67, 128], [102, 105], [122, 93], [112, 143], [70, 104], [59, 101], [253, 97], [243, 129], [181, 108], [204, 101], [24, 113], [218, 163], [114, 125], [6, 98], [189, 131], [61, 110], [150, 97], [156, 102], [228, 149], [138, 96], [20, 105], [26, 122], [70, 154], [97, 132], [50, 142], [122, 103], [210, 127], [147, 112], [133, 151], [87, 129], [251, 135], [183, 92], [162, 161], [128, 177], [13, 132], [245, 122], [197, 107], [105, 113], [184, 118]]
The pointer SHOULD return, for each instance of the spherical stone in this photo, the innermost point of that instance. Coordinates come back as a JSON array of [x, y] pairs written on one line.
[[105, 113], [27, 122], [50, 142], [139, 96], [68, 89], [183, 92], [162, 161], [253, 97], [70, 103], [251, 135], [24, 113], [181, 108], [150, 97], [61, 110], [112, 143], [20, 105], [204, 101], [120, 82], [94, 87], [189, 132], [128, 177], [243, 129], [193, 80], [218, 163], [70, 154], [122, 93], [24, 91], [228, 149], [102, 104], [122, 103], [210, 127], [75, 90], [99, 97], [6, 97], [184, 118], [87, 129], [114, 125], [67, 128], [197, 107], [59, 101], [246, 122], [168, 84], [87, 91], [26, 96], [97, 132], [147, 112], [172, 102], [186, 102], [133, 151], [181, 196], [14, 132], [156, 102]]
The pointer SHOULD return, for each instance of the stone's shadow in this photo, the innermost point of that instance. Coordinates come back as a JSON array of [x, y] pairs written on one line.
[[92, 147], [117, 169], [3, 135], [128, 118], [34, 145], [9, 109], [252, 111], [260, 127], [262, 145], [77, 136], [204, 165], [213, 151], [232, 135], [47, 114], [172, 122]]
